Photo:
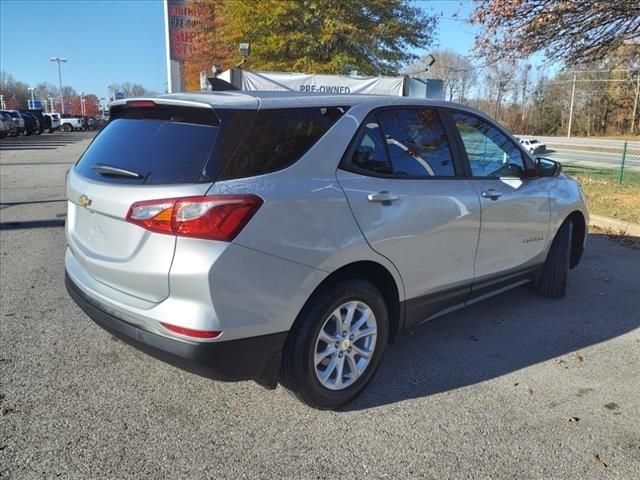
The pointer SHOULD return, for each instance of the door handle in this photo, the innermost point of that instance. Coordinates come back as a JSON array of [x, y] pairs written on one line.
[[382, 197], [491, 193]]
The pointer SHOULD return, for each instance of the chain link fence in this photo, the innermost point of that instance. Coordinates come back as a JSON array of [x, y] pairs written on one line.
[[611, 160]]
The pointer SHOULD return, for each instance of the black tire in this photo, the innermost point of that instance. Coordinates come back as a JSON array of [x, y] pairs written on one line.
[[67, 128], [298, 374], [27, 133], [552, 282], [51, 130]]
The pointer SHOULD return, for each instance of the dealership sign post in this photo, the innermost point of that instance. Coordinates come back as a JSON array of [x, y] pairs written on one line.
[[185, 22]]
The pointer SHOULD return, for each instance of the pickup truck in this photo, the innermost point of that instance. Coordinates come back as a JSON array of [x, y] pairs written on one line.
[[55, 121], [71, 124]]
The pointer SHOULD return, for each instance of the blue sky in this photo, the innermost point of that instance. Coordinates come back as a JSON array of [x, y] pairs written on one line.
[[107, 41]]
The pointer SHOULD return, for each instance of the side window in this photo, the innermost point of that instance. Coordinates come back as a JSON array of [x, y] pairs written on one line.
[[278, 138], [370, 153], [417, 142], [490, 153]]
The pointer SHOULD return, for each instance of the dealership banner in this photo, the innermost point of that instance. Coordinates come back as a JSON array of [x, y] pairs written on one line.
[[186, 22], [314, 83]]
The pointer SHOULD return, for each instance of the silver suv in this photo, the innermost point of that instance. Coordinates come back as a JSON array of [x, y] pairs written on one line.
[[280, 237]]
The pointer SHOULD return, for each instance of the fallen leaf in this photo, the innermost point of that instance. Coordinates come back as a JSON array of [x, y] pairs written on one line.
[[7, 410], [516, 384], [530, 391], [572, 419], [599, 461], [579, 358]]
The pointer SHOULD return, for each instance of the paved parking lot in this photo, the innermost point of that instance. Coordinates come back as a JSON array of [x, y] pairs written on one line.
[[515, 387]]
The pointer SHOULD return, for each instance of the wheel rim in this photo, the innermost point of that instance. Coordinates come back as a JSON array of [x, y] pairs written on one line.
[[345, 345]]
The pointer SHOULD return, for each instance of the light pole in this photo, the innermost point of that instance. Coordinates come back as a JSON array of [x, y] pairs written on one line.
[[63, 60], [112, 92], [33, 101], [82, 103]]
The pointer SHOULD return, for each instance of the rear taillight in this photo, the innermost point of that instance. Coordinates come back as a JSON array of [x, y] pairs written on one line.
[[217, 217]]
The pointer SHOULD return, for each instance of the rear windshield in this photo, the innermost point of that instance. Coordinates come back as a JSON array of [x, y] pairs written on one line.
[[162, 145], [170, 145]]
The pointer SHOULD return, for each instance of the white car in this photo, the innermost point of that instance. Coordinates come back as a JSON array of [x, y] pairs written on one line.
[[532, 145]]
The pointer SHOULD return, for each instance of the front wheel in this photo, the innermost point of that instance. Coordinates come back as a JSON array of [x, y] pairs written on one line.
[[336, 344], [552, 282]]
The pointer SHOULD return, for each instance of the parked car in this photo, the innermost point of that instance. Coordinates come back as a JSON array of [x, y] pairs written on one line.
[[9, 124], [55, 121], [532, 145], [18, 120], [282, 236], [31, 124], [43, 119], [4, 128], [71, 124]]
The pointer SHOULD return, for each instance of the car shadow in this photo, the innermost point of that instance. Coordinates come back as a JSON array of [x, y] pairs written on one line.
[[512, 331]]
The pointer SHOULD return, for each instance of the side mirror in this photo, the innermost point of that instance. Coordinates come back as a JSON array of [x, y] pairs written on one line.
[[546, 167]]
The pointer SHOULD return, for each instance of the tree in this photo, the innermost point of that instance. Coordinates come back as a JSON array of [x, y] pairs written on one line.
[[572, 31], [15, 93], [456, 71], [129, 89], [328, 36]]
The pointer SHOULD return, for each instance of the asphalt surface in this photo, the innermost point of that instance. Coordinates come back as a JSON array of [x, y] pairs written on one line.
[[515, 387], [594, 153]]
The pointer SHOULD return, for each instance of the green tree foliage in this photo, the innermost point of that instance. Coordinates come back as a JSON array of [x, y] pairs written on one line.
[[328, 36]]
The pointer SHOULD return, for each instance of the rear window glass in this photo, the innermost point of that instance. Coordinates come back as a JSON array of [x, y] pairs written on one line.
[[279, 137], [163, 145]]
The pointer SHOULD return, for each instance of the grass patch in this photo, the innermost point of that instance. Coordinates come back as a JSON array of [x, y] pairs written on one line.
[[609, 175], [604, 196]]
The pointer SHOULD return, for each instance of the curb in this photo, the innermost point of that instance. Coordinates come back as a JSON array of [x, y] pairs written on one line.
[[625, 228]]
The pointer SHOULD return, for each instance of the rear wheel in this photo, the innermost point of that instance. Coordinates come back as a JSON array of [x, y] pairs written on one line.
[[552, 282], [336, 344], [67, 127]]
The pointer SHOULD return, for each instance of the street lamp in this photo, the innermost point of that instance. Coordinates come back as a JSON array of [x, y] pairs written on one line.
[[82, 103], [59, 60], [33, 101], [112, 92]]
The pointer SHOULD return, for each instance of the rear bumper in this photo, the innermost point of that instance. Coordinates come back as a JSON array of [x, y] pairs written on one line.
[[254, 358]]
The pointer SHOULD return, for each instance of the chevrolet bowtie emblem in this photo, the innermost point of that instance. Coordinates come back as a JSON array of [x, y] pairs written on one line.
[[84, 201]]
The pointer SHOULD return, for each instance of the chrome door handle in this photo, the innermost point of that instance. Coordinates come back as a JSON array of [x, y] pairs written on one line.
[[491, 193], [382, 197]]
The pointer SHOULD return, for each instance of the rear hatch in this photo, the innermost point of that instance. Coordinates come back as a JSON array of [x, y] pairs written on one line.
[[150, 150]]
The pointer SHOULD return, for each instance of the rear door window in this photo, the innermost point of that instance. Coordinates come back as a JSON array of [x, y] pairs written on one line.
[[417, 142], [404, 143]]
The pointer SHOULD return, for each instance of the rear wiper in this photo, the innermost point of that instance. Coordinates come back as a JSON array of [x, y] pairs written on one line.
[[116, 171]]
